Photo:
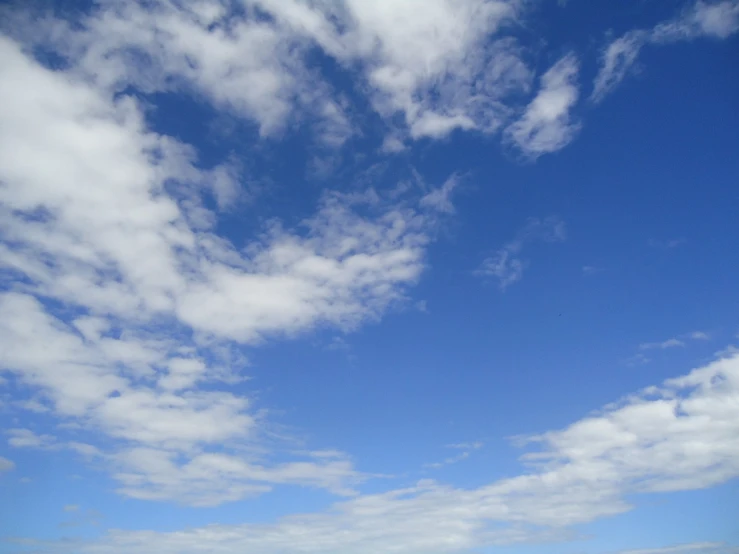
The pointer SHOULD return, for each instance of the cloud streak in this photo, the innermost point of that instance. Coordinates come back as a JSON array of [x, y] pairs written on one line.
[[506, 265], [680, 435], [675, 342], [717, 20]]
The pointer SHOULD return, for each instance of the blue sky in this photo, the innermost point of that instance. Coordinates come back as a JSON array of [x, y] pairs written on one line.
[[290, 276]]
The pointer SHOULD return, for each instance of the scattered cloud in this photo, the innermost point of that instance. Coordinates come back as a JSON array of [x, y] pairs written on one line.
[[666, 244], [617, 60], [338, 343], [679, 435], [25, 438], [675, 342], [71, 508], [547, 125], [467, 445], [80, 518], [6, 465], [717, 20], [111, 260], [439, 199], [638, 359], [591, 270], [669, 343], [426, 68], [506, 265], [113, 227], [466, 448], [692, 548]]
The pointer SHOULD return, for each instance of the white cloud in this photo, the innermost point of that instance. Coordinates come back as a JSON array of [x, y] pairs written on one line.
[[710, 19], [114, 242], [71, 508], [675, 342], [692, 548], [506, 265], [25, 438], [243, 65], [158, 299], [427, 67], [439, 199], [209, 479], [716, 20], [438, 65], [680, 435], [637, 359], [617, 60], [466, 445], [666, 244], [6, 465], [547, 125], [104, 217], [669, 343], [467, 449], [164, 434]]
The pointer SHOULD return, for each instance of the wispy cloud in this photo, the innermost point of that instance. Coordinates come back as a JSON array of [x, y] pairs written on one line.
[[716, 20], [669, 343], [691, 548], [440, 199], [25, 438], [547, 124], [466, 445], [666, 244], [591, 270], [6, 465], [637, 359], [80, 518], [161, 304], [675, 342], [457, 67], [113, 261], [679, 435], [466, 448], [506, 265], [616, 62], [454, 67]]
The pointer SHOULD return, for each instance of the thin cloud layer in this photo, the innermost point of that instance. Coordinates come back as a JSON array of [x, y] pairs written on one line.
[[680, 435], [692, 548]]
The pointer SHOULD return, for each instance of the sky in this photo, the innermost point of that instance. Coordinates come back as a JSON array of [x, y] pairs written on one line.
[[362, 277]]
